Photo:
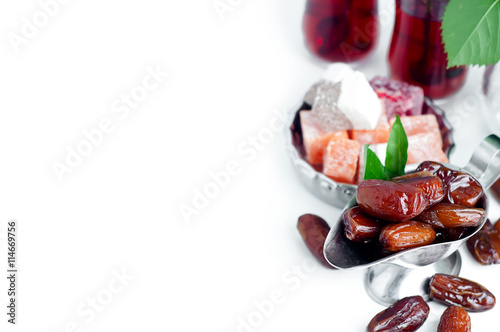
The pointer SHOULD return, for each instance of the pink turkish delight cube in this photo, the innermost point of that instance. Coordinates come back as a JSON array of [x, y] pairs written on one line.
[[315, 138], [341, 160], [421, 124], [425, 146], [399, 97]]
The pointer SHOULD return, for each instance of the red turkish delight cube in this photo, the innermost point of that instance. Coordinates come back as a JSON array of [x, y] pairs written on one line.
[[399, 97], [315, 138], [341, 160]]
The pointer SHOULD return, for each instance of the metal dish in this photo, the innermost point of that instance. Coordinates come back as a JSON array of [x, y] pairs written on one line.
[[334, 193], [388, 271]]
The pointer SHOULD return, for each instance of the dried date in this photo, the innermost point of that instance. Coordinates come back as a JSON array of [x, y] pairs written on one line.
[[405, 315], [461, 187], [406, 235], [454, 319], [447, 215], [430, 166], [391, 201], [432, 186], [453, 290], [464, 190], [485, 245], [314, 231], [359, 227]]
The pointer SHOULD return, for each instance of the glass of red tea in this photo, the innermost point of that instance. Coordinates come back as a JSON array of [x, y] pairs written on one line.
[[341, 30], [417, 55]]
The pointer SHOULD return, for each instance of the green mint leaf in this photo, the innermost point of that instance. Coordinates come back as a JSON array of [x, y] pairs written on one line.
[[397, 150], [471, 32], [373, 166]]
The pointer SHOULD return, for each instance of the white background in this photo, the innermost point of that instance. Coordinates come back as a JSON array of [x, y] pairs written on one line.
[[119, 209]]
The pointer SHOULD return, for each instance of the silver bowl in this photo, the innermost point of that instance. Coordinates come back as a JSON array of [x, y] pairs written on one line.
[[334, 193]]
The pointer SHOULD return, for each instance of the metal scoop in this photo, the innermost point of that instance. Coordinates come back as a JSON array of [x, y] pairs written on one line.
[[389, 277]]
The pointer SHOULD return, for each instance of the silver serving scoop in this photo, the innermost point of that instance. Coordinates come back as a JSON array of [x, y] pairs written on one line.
[[390, 276]]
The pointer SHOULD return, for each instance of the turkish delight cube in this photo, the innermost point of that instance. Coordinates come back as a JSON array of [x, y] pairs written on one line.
[[399, 97], [425, 146], [325, 107], [315, 138], [341, 160], [421, 124]]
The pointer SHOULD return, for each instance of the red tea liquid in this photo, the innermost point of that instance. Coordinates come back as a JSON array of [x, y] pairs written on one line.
[[417, 54], [341, 30]]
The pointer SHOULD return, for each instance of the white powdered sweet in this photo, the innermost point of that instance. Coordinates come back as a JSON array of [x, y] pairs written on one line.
[[358, 102], [344, 100], [325, 109]]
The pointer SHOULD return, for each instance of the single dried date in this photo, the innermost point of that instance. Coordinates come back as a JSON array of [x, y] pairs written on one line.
[[405, 315], [430, 166], [406, 235], [454, 319], [447, 215], [391, 201], [453, 290], [432, 186], [359, 227], [484, 246], [461, 187], [314, 231]]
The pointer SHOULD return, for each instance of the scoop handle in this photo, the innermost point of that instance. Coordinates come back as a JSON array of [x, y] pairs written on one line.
[[484, 163]]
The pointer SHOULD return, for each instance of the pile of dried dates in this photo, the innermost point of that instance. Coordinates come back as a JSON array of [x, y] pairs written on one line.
[[433, 204], [410, 313]]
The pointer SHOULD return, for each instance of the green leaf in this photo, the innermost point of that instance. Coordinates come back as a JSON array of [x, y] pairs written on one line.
[[373, 166], [471, 32], [397, 150]]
